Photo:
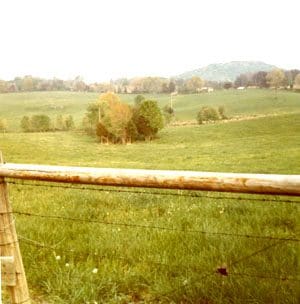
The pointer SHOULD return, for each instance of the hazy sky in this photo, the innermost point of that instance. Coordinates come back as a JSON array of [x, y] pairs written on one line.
[[107, 39]]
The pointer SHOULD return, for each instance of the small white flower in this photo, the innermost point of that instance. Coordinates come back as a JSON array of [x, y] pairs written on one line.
[[222, 211], [95, 302], [185, 282], [95, 270], [58, 257], [67, 265]]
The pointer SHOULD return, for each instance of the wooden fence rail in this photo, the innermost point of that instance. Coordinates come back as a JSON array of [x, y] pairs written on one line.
[[185, 180]]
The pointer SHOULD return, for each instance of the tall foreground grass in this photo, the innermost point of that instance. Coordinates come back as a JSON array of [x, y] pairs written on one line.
[[105, 253], [176, 260]]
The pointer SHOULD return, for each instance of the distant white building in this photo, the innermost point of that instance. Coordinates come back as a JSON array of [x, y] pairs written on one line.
[[241, 88], [205, 90]]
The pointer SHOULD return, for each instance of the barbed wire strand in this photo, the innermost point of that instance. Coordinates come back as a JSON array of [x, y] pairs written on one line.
[[172, 229], [226, 273], [263, 249], [193, 195], [279, 278], [121, 258], [225, 234], [193, 268]]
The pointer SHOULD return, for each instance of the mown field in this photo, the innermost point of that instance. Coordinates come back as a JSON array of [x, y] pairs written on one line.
[[107, 245]]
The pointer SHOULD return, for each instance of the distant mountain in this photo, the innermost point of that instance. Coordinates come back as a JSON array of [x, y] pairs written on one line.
[[227, 71]]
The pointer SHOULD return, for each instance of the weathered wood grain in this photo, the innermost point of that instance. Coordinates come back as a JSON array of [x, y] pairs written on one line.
[[189, 180]]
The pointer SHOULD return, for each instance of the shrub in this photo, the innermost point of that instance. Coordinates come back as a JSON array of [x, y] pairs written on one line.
[[148, 119], [207, 114], [26, 124], [221, 110], [69, 122], [40, 123], [138, 99]]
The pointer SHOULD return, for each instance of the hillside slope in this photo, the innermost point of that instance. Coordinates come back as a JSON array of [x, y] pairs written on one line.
[[227, 71]]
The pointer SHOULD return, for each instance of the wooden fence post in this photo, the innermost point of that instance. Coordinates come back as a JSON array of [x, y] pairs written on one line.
[[10, 247]]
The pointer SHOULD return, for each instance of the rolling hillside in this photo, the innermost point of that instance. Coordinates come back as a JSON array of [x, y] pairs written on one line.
[[237, 103], [227, 71]]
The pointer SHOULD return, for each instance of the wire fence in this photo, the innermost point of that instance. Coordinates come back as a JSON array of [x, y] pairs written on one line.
[[270, 240], [159, 193]]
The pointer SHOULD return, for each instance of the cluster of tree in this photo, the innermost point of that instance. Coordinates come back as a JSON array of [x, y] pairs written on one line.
[[275, 78], [136, 85], [116, 122], [207, 114], [29, 83], [144, 85], [64, 123], [42, 123]]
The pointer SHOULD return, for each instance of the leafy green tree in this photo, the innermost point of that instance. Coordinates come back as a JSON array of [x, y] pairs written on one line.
[[110, 118], [40, 123], [131, 131], [148, 119], [194, 84], [87, 125], [69, 122], [26, 124], [103, 133], [116, 120], [207, 114], [221, 111], [275, 78], [138, 99], [60, 124], [27, 83], [259, 79]]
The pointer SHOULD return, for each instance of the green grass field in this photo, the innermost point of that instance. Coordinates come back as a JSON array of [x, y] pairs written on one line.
[[104, 261], [237, 103]]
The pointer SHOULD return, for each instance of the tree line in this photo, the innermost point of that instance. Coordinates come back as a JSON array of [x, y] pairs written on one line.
[[144, 85], [135, 86], [274, 79], [43, 123]]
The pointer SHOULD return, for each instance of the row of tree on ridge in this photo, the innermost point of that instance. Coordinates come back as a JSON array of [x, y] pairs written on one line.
[[142, 85]]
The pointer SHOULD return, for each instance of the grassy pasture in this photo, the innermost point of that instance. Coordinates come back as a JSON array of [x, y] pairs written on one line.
[[237, 103], [266, 145], [139, 265]]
